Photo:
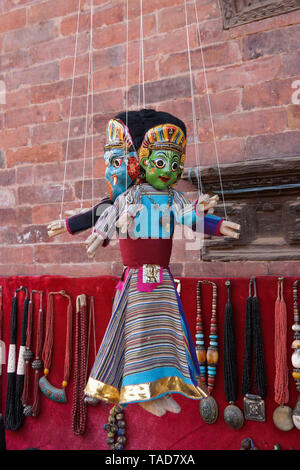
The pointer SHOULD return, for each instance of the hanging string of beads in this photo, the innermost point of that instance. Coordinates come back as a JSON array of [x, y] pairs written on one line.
[[207, 359], [296, 341], [79, 407], [28, 356], [116, 428], [296, 355], [38, 364], [46, 387], [2, 352], [14, 416]]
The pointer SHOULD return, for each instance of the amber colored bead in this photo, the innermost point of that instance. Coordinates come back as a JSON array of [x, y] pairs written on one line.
[[296, 375], [212, 356], [201, 355], [64, 384]]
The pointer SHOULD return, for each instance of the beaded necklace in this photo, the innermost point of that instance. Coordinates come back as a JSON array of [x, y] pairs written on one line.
[[2, 345], [14, 416], [254, 405], [207, 359], [116, 428], [296, 354], [233, 416], [37, 364], [28, 356], [79, 407], [282, 416], [56, 394]]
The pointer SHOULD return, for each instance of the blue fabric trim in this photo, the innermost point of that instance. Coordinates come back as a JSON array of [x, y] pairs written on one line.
[[152, 375], [211, 223]]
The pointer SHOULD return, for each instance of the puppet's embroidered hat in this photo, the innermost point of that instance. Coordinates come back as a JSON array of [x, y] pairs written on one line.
[[163, 137], [141, 121], [118, 136]]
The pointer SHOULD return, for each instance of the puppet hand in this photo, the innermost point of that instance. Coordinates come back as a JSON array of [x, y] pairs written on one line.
[[125, 222], [93, 242], [56, 228], [127, 218], [230, 229], [207, 203]]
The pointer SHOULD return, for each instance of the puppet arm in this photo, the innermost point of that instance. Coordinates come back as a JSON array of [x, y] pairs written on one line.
[[78, 222], [119, 216], [189, 214]]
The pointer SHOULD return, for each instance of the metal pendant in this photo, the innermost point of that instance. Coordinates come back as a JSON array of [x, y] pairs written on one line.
[[209, 410], [151, 273], [254, 408], [53, 393], [233, 417], [282, 418], [296, 414]]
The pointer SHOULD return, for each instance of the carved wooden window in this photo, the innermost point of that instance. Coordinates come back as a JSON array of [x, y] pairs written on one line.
[[237, 12]]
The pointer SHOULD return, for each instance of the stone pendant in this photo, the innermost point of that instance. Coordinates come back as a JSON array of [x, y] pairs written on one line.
[[209, 410], [233, 416]]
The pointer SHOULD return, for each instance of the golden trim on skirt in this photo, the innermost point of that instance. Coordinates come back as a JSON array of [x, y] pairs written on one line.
[[143, 392]]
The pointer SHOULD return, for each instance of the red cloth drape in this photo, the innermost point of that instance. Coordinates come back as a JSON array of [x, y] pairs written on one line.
[[52, 429]]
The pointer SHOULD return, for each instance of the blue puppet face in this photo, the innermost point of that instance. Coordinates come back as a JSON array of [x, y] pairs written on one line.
[[120, 174]]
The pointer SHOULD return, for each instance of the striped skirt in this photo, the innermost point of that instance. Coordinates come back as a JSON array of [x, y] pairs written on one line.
[[147, 350]]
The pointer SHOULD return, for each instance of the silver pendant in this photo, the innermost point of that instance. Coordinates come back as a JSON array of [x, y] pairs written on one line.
[[296, 414], [282, 418], [254, 408], [209, 410], [233, 417]]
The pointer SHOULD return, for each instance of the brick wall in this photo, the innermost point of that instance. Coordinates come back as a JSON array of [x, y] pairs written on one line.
[[250, 72]]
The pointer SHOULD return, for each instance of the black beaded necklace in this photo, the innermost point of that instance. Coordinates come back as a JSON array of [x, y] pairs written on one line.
[[254, 406]]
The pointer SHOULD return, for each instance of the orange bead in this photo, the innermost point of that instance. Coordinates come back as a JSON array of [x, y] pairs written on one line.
[[201, 355], [64, 384], [212, 356], [296, 375], [46, 371]]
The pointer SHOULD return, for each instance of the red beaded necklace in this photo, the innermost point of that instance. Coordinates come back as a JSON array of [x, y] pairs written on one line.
[[51, 392], [79, 407]]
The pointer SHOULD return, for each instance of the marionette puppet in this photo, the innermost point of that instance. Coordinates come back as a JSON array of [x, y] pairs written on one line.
[[147, 353], [122, 169]]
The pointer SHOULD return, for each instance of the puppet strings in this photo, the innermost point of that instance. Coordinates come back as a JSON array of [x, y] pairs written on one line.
[[87, 111], [70, 111], [126, 95], [141, 61], [92, 107], [209, 106], [195, 127]]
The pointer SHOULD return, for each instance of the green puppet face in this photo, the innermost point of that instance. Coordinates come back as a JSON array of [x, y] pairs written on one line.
[[163, 168]]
